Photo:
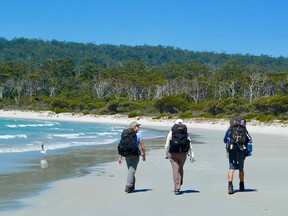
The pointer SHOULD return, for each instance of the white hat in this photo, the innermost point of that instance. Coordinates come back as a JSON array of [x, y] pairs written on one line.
[[179, 121], [133, 124]]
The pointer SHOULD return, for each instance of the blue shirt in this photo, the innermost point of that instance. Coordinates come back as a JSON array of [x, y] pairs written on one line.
[[139, 138]]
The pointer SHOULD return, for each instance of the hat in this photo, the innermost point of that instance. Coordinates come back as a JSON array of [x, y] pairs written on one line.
[[133, 124], [179, 121]]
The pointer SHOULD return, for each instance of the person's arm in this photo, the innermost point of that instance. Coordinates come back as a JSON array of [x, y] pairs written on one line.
[[143, 150], [226, 141], [120, 160], [191, 152], [167, 144], [226, 137], [249, 138], [142, 145]]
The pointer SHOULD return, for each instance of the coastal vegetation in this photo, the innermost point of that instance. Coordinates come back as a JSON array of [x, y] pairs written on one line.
[[140, 80]]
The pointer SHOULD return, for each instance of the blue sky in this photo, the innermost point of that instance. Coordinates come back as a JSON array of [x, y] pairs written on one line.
[[253, 27]]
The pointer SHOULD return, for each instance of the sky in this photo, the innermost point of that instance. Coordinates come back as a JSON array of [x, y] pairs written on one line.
[[254, 27]]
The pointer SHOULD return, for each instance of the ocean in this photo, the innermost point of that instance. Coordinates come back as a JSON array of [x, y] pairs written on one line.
[[72, 149]]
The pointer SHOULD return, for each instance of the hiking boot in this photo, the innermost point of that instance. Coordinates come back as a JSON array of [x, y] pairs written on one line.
[[128, 189], [230, 189], [177, 192], [241, 186]]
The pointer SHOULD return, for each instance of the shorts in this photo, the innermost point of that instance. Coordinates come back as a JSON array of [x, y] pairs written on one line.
[[236, 160]]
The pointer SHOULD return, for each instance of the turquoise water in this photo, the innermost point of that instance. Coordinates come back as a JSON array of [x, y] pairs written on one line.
[[28, 135], [18, 136], [72, 149]]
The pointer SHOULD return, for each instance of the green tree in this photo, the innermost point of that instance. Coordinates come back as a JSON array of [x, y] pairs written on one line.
[[171, 104]]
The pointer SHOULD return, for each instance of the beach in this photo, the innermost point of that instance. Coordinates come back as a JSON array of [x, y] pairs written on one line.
[[204, 190], [163, 123]]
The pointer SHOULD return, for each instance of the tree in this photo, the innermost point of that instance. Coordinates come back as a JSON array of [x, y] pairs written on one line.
[[171, 104], [100, 87], [1, 92], [199, 88], [32, 85], [19, 85], [276, 83]]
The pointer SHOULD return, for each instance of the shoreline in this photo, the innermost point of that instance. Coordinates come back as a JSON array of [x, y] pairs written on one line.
[[35, 172], [102, 190], [148, 122], [21, 166], [43, 171]]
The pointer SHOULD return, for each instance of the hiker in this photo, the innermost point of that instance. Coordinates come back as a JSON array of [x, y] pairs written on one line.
[[178, 145], [132, 137], [238, 146]]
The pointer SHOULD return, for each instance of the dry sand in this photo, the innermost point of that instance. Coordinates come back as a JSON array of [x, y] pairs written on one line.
[[218, 124], [204, 191]]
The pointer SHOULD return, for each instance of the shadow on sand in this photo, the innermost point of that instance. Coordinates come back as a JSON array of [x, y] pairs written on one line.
[[181, 192], [246, 191], [189, 191], [141, 190]]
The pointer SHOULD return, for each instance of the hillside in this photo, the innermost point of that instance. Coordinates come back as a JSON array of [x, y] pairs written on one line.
[[140, 80], [36, 50]]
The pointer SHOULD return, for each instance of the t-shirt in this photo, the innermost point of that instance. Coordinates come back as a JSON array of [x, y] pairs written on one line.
[[139, 138]]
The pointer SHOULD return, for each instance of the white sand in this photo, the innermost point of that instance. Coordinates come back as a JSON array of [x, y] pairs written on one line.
[[205, 181], [219, 124]]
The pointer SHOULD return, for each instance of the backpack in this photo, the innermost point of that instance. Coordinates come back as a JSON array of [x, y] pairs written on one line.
[[127, 145], [238, 138], [179, 141]]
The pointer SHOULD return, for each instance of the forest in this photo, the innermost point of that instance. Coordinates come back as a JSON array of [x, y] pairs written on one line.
[[140, 80]]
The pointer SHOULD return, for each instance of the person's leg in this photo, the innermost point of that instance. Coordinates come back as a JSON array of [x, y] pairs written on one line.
[[231, 174], [182, 159], [241, 183], [232, 167], [132, 162], [230, 181], [241, 172], [174, 160], [241, 175]]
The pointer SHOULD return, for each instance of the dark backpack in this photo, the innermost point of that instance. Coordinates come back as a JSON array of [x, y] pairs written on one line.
[[127, 145], [179, 141], [238, 138]]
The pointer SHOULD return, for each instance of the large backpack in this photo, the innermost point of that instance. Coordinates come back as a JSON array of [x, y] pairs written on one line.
[[238, 138], [127, 145], [179, 141]]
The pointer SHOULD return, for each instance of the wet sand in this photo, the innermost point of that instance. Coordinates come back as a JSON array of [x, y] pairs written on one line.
[[37, 171]]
